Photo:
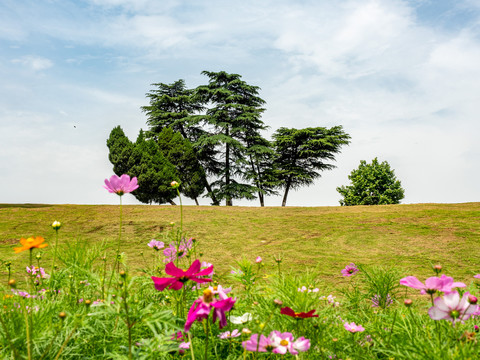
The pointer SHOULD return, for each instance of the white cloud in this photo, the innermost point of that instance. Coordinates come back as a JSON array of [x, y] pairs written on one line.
[[35, 63]]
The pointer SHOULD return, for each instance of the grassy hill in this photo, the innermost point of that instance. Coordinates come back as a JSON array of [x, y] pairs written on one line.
[[321, 239]]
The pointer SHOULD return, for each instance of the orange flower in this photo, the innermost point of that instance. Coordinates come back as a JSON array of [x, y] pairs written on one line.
[[30, 243]]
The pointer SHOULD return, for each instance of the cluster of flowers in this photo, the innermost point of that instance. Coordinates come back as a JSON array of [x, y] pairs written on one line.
[[37, 272], [377, 300], [451, 306], [171, 252]]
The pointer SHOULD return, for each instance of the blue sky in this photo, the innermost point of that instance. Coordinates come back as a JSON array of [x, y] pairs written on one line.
[[402, 77]]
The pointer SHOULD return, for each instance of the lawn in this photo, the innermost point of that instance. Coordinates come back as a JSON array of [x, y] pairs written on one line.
[[322, 239]]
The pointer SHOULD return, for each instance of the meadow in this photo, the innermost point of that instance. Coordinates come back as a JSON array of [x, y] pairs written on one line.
[[94, 304]]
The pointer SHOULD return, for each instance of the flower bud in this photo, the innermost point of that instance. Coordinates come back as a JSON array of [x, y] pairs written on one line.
[[88, 302], [408, 302], [278, 302], [122, 273], [174, 184], [472, 299], [56, 225], [437, 268], [246, 331], [476, 328], [12, 283], [62, 315]]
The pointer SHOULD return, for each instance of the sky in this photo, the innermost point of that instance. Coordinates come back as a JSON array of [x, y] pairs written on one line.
[[401, 76]]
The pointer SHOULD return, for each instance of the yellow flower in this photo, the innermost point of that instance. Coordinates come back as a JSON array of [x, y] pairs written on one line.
[[30, 243]]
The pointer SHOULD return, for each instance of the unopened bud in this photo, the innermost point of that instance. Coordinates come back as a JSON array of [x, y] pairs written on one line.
[[437, 268], [88, 302], [174, 184], [62, 315], [12, 283], [246, 331], [56, 225], [122, 273], [38, 256], [278, 302], [472, 299], [408, 302]]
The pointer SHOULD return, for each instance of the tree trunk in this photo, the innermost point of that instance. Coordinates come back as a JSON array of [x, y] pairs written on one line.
[[172, 202], [215, 202], [196, 202], [287, 188], [228, 198], [260, 197]]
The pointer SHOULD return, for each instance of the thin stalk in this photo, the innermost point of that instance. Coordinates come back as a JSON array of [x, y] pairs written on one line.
[[207, 328], [129, 325], [50, 345], [191, 346], [65, 343], [118, 247], [54, 253]]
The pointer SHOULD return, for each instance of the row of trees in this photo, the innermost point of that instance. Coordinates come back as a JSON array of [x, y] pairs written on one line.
[[210, 140]]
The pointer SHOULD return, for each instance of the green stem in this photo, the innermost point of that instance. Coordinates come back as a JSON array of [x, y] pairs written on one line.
[[191, 346], [118, 248], [129, 326], [65, 343], [207, 328], [54, 253]]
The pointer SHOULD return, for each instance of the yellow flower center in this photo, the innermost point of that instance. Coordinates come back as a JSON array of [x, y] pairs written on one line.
[[284, 342]]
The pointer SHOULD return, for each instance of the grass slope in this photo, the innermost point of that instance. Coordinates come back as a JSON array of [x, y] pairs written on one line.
[[320, 239]]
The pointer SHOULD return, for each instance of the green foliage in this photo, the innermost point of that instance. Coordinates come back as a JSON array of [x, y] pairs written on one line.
[[235, 117], [302, 154], [180, 152], [153, 171], [120, 149], [372, 184]]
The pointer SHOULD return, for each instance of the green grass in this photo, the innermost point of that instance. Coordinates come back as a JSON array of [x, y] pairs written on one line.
[[322, 239]]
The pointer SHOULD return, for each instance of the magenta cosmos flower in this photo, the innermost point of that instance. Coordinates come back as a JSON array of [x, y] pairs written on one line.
[[201, 308], [121, 185], [432, 284], [180, 276], [353, 328], [350, 270], [452, 307]]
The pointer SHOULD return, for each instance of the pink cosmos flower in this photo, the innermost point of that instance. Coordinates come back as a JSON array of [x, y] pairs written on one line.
[[180, 276], [353, 328], [301, 344], [476, 276], [350, 270], [452, 307], [201, 308], [277, 343], [282, 342], [258, 260], [253, 344], [171, 253], [121, 185], [156, 244], [228, 334], [432, 284]]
